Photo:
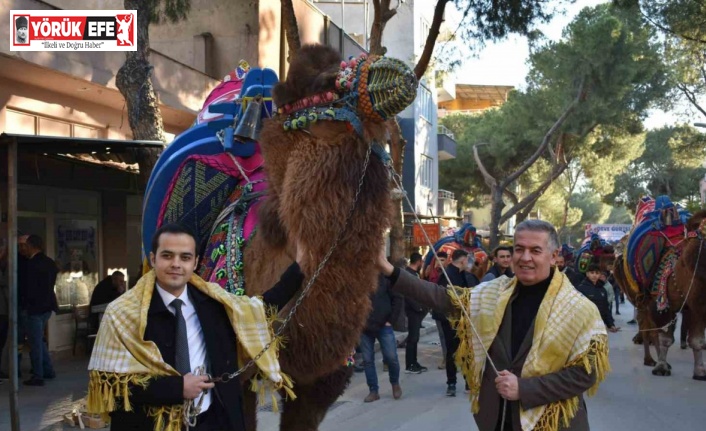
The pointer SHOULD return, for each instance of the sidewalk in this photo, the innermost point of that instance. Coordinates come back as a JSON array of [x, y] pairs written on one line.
[[43, 408]]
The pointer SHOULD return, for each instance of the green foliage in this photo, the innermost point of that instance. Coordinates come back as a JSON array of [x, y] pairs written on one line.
[[495, 19], [683, 27], [671, 164], [172, 11], [618, 62]]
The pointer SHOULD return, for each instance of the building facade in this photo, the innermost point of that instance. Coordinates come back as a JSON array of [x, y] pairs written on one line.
[[88, 207]]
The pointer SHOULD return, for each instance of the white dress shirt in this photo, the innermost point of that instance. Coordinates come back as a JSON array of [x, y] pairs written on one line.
[[194, 335]]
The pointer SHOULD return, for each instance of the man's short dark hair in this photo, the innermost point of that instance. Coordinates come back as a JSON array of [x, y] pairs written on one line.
[[173, 228], [35, 242], [415, 258], [500, 248], [593, 268], [458, 253], [443, 254], [117, 274]]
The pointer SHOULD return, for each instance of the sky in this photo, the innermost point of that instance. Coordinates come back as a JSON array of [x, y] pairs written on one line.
[[505, 63]]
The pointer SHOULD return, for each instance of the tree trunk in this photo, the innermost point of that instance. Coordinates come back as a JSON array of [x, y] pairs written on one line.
[[430, 43], [496, 208], [397, 144], [291, 28], [135, 84]]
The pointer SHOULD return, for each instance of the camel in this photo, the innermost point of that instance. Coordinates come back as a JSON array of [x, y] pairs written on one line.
[[641, 302], [688, 287], [318, 181], [688, 267], [313, 174]]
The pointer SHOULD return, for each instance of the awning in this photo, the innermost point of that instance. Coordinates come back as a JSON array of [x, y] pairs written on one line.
[[113, 153]]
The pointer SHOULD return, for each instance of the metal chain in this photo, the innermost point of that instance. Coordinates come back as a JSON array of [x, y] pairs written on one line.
[[665, 328], [225, 377], [398, 182]]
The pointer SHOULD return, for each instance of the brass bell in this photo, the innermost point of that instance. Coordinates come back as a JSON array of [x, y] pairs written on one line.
[[251, 121]]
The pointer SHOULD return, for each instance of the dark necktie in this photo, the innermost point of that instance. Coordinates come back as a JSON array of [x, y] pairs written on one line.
[[182, 343]]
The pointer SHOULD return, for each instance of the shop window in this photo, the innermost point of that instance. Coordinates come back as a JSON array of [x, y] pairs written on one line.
[[49, 127], [20, 123], [77, 259]]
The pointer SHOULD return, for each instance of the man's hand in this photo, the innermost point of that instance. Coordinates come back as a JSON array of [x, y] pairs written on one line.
[[194, 385], [614, 329], [382, 264], [507, 385]]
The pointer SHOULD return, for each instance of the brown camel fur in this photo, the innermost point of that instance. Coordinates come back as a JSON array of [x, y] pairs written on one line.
[[641, 302], [690, 273], [313, 176]]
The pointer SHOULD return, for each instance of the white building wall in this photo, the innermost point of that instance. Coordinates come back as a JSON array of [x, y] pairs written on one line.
[[404, 38]]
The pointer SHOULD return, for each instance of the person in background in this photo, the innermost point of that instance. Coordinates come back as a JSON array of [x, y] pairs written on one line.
[[37, 304], [107, 291], [415, 315], [593, 288], [502, 262]]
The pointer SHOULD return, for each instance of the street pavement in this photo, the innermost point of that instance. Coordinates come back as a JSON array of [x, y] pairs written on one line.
[[630, 399]]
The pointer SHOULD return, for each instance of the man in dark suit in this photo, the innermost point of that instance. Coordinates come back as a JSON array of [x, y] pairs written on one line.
[[37, 302], [177, 306], [535, 249]]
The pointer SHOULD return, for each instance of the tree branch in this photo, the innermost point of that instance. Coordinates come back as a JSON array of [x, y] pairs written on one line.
[[382, 14], [489, 179], [532, 197], [512, 196], [691, 97], [429, 44], [669, 30], [545, 142], [291, 28]]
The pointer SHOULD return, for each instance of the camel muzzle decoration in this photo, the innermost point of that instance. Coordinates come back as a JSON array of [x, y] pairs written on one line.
[[317, 176]]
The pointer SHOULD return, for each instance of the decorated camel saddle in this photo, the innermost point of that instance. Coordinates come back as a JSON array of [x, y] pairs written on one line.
[[594, 250], [655, 244], [212, 177], [465, 238]]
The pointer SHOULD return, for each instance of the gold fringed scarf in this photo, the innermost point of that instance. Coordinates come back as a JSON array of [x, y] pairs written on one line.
[[568, 331], [121, 357]]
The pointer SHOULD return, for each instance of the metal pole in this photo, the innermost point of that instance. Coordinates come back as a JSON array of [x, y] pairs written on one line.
[[12, 279]]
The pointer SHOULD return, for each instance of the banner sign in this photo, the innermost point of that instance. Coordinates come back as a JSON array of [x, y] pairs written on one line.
[[609, 232], [432, 229], [73, 30]]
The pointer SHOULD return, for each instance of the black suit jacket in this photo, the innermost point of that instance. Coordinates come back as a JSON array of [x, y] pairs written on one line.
[[221, 349], [38, 283]]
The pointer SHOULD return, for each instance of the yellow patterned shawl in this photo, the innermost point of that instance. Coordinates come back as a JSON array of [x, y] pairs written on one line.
[[121, 356], [568, 331]]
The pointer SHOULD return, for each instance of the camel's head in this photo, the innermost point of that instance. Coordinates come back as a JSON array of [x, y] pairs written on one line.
[[697, 223], [319, 86]]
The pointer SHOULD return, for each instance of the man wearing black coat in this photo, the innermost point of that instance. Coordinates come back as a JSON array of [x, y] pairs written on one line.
[[37, 302], [415, 315], [459, 276], [210, 337], [105, 292], [593, 288], [387, 306]]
